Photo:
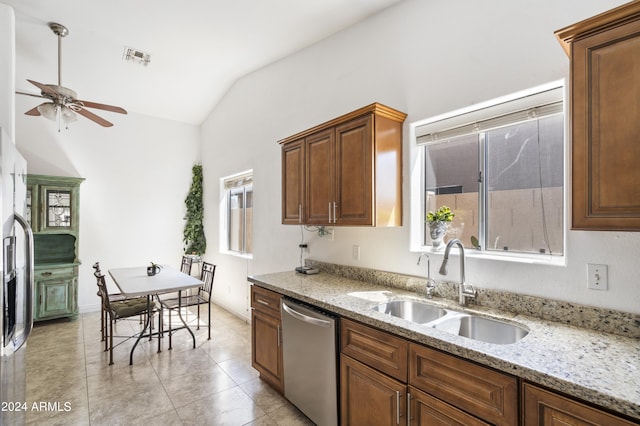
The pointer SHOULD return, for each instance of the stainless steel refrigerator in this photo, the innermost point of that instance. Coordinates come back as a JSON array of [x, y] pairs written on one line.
[[16, 291]]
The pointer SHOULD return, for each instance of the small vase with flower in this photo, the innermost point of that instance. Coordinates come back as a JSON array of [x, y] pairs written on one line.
[[438, 222]]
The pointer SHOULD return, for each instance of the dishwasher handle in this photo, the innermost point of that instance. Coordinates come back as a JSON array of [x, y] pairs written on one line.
[[305, 318]]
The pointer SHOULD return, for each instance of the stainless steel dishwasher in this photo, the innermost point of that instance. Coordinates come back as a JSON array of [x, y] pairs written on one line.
[[309, 361]]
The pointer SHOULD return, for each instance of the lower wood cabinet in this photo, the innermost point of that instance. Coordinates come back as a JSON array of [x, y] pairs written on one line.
[[266, 336], [481, 391], [443, 389], [56, 292], [369, 397], [388, 380], [427, 410], [545, 408], [383, 351]]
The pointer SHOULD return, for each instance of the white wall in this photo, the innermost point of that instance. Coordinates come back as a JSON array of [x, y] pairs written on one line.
[[424, 58], [7, 69], [137, 176]]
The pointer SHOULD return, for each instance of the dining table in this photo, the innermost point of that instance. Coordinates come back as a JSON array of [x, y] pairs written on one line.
[[135, 281]]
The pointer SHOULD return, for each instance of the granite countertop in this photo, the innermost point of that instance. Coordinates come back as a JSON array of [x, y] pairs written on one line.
[[598, 367]]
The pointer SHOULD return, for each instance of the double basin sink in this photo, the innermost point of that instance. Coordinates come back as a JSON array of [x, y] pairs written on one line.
[[463, 324]]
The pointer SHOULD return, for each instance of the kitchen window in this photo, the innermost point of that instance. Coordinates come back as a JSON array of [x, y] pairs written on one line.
[[237, 209], [500, 167]]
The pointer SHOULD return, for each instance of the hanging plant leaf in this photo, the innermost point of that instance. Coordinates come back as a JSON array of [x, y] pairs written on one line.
[[194, 238]]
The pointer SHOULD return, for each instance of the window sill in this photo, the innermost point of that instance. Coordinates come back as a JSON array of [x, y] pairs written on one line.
[[529, 259], [236, 254]]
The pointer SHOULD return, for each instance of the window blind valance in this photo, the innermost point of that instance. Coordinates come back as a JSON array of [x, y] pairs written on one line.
[[491, 115], [239, 180]]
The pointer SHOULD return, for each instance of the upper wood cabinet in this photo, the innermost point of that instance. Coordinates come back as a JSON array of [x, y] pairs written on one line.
[[293, 176], [347, 171], [605, 105]]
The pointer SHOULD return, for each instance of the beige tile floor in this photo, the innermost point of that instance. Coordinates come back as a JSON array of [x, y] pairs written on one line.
[[213, 384]]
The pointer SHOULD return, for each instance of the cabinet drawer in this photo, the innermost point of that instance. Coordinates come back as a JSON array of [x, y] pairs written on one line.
[[265, 300], [485, 393], [54, 273], [541, 407], [377, 349]]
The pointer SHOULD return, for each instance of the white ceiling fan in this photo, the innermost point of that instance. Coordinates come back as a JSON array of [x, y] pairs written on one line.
[[62, 100]]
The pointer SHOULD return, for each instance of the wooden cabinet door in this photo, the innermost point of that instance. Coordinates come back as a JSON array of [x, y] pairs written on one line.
[[266, 350], [320, 177], [55, 298], [545, 408], [293, 182], [58, 208], [354, 172], [369, 397], [425, 410], [605, 88]]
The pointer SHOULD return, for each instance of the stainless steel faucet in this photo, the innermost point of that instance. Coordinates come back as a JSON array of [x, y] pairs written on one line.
[[464, 290], [431, 284]]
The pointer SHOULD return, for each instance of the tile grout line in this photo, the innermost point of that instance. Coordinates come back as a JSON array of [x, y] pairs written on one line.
[[86, 373]]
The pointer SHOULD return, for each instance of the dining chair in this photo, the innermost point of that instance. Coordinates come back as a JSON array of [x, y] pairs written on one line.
[[121, 309], [113, 297], [203, 296], [185, 266]]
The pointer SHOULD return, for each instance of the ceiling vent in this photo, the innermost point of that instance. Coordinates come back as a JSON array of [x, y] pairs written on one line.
[[136, 56]]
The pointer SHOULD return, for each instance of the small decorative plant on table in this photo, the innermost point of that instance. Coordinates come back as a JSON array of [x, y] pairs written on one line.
[[438, 222]]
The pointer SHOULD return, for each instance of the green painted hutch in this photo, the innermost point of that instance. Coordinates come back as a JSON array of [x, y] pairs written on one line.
[[53, 209]]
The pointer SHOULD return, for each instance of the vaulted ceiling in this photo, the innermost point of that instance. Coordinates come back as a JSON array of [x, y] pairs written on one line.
[[198, 48]]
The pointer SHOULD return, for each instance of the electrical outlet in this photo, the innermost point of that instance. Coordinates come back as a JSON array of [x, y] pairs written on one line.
[[597, 277], [355, 252]]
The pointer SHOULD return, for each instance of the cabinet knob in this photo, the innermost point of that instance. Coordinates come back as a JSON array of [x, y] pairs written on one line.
[[47, 274]]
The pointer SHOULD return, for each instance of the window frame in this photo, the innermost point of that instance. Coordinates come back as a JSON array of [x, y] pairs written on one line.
[[417, 156], [229, 185]]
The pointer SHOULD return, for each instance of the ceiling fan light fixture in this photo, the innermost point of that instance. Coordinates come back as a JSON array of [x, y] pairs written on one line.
[[68, 115], [64, 100], [48, 110]]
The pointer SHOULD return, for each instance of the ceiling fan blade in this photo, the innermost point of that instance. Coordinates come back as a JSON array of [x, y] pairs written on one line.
[[91, 116], [33, 111], [44, 88], [29, 94], [96, 105]]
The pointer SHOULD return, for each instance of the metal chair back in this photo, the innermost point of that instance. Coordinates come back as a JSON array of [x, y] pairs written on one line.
[[103, 292], [206, 276], [185, 266]]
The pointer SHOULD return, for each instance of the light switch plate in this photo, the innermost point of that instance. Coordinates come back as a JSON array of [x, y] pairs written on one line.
[[355, 252], [597, 278]]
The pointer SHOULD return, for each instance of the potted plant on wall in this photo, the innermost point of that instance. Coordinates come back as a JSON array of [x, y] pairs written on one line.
[[438, 222], [194, 239]]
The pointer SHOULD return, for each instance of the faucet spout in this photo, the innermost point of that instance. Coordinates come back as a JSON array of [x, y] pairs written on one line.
[[464, 290], [430, 283], [443, 267]]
